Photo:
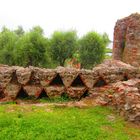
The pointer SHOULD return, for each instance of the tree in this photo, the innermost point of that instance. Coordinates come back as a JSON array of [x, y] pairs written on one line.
[[107, 42], [8, 41], [31, 49], [91, 49], [106, 39], [63, 45], [19, 31], [37, 29]]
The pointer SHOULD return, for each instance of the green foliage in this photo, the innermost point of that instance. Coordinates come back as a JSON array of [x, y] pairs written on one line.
[[92, 49], [63, 46], [8, 102], [106, 39], [8, 41], [108, 57], [19, 31], [37, 29], [32, 122], [31, 49], [108, 50]]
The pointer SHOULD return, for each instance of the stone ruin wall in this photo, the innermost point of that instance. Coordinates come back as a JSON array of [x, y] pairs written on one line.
[[35, 82], [111, 83], [126, 44]]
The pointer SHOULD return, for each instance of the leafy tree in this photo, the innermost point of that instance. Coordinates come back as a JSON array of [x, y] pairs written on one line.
[[63, 46], [8, 41], [31, 49], [19, 31], [107, 42], [37, 29], [106, 39], [91, 49]]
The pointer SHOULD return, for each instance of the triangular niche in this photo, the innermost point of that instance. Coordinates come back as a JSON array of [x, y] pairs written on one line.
[[100, 82], [86, 94], [43, 94], [125, 78], [77, 82], [2, 95], [22, 94], [57, 81]]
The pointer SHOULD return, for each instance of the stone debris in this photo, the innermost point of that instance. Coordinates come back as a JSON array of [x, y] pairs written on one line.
[[126, 98]]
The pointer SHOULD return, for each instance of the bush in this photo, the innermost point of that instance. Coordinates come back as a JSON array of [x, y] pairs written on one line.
[[63, 46], [91, 49], [31, 49]]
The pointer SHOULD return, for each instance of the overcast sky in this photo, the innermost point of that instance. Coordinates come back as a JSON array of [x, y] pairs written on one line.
[[81, 15]]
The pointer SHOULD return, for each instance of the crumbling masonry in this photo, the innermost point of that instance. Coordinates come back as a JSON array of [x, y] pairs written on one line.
[[126, 44], [18, 82], [111, 83]]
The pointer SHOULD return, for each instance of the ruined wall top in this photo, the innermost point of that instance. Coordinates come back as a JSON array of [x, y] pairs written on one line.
[[126, 44], [34, 81]]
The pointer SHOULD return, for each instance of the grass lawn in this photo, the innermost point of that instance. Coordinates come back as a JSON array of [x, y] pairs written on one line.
[[31, 122]]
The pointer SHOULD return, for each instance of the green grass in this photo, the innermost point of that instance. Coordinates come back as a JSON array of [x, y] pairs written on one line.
[[30, 122], [64, 98], [55, 100]]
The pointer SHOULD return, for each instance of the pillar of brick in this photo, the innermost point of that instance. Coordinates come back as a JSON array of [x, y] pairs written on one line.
[[126, 44]]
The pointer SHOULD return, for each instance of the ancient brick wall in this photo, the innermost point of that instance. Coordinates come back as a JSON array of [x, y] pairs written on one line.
[[110, 83], [16, 82], [126, 44]]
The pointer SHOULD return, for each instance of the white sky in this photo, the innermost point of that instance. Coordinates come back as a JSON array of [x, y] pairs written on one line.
[[51, 15]]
